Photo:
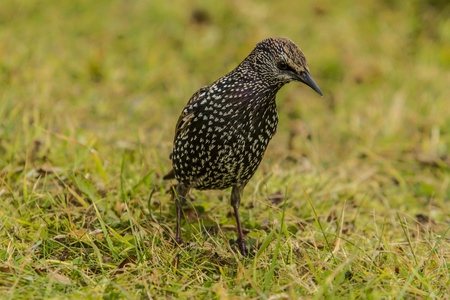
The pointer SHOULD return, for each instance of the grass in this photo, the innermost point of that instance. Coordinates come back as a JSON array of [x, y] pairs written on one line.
[[351, 200]]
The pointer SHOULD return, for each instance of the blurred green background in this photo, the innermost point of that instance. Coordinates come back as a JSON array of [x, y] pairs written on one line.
[[113, 76]]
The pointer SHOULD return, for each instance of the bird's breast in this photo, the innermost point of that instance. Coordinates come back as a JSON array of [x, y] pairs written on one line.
[[224, 138]]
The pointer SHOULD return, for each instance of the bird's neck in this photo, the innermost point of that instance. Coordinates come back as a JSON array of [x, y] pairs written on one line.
[[260, 71], [251, 84]]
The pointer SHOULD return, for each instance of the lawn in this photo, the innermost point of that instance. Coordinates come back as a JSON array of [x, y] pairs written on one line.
[[352, 199]]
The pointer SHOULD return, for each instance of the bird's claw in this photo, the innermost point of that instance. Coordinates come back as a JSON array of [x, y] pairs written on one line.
[[178, 242], [242, 248]]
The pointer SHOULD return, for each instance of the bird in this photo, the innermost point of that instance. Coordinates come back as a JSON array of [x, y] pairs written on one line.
[[224, 129]]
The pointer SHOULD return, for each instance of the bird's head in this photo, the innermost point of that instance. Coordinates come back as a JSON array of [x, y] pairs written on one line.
[[279, 61]]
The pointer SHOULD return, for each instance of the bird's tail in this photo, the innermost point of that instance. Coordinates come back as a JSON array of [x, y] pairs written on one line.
[[170, 175]]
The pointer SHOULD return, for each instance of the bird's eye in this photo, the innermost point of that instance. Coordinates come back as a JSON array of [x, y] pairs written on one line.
[[282, 65]]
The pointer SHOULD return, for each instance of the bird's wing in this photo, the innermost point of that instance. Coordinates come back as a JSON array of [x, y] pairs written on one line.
[[188, 112]]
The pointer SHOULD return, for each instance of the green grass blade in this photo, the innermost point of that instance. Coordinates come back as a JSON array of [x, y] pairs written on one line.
[[277, 249]]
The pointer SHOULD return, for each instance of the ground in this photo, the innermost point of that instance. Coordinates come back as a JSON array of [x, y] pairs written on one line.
[[350, 201]]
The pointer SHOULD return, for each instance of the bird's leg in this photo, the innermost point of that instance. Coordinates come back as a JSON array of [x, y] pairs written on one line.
[[236, 195], [180, 198]]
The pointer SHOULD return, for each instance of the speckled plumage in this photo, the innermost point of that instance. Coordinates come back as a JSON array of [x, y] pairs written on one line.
[[224, 130]]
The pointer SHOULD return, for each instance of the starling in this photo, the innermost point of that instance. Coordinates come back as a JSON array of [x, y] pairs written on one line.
[[224, 130]]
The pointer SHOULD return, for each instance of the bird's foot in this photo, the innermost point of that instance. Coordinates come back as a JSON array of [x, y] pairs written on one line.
[[178, 242], [242, 248]]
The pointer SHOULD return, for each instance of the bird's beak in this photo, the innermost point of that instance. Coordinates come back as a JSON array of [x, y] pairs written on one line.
[[306, 78]]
